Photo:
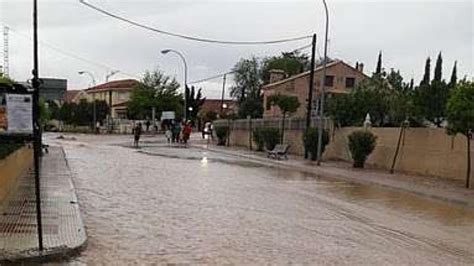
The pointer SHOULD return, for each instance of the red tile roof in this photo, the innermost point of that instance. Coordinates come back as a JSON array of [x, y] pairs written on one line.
[[116, 84], [70, 94], [215, 105]]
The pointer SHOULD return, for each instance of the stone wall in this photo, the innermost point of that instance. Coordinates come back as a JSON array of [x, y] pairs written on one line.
[[12, 167], [424, 151]]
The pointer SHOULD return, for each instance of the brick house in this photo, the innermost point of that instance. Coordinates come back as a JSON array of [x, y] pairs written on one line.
[[115, 93], [340, 78]]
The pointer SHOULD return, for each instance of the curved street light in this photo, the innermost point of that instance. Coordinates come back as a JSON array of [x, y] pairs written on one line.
[[321, 112], [166, 51], [94, 111]]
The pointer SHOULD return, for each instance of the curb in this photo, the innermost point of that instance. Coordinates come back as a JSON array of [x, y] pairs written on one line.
[[55, 254], [306, 169]]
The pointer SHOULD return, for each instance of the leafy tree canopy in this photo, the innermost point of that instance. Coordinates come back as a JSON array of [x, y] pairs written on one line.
[[291, 62], [155, 90]]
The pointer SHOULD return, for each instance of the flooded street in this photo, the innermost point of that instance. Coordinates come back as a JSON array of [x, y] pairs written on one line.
[[176, 205]]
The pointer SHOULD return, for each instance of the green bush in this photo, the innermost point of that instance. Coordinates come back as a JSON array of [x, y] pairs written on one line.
[[221, 133], [259, 138], [310, 141], [361, 144], [8, 147], [271, 137]]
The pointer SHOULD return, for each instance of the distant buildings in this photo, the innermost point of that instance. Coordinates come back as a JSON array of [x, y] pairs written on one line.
[[115, 93], [340, 78]]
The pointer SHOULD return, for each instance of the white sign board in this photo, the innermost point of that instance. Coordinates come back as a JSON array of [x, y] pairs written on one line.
[[167, 115], [19, 113]]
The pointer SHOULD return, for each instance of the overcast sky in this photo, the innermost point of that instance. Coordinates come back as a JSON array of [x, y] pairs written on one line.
[[406, 31]]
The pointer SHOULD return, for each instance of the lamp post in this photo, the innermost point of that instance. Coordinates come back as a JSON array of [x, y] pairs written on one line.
[[94, 111], [323, 84], [185, 76], [110, 74]]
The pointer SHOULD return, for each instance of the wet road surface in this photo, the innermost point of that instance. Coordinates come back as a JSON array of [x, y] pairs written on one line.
[[172, 205]]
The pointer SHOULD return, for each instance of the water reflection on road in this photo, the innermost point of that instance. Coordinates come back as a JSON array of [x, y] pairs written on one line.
[[194, 206]]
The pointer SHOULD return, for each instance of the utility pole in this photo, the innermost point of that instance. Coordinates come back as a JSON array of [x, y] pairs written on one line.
[[36, 126], [323, 85], [310, 90], [223, 93]]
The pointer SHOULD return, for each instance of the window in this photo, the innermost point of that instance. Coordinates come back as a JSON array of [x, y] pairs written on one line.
[[268, 106], [350, 82], [329, 82]]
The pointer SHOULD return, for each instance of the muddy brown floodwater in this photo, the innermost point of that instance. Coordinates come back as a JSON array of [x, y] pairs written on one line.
[[197, 207]]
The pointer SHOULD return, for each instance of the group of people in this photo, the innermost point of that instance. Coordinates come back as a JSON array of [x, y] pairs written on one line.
[[177, 132]]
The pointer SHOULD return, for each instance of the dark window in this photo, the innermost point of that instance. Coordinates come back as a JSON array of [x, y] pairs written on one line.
[[329, 82], [350, 82]]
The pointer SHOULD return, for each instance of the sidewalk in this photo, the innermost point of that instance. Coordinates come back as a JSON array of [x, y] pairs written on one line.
[[63, 228], [434, 187]]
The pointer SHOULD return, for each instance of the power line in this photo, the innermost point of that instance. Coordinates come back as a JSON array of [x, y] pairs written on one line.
[[232, 72], [66, 53], [187, 37]]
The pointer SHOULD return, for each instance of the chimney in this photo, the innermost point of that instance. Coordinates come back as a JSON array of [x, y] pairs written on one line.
[[360, 67], [357, 65], [276, 75]]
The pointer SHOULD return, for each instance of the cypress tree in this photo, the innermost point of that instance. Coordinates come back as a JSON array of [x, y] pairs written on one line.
[[426, 76], [438, 68], [454, 77], [378, 70]]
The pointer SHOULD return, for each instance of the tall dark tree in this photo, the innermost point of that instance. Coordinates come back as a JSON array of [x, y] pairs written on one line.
[[247, 87], [194, 100], [378, 69], [438, 72], [454, 77], [426, 75]]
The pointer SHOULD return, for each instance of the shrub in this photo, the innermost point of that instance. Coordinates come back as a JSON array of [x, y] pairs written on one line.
[[361, 144], [271, 137], [310, 141], [221, 133], [258, 137]]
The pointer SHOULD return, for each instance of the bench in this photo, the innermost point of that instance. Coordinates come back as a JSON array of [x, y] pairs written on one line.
[[280, 150]]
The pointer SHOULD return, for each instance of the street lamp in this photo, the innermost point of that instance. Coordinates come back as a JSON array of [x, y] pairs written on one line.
[[185, 75], [94, 112], [110, 74], [321, 112]]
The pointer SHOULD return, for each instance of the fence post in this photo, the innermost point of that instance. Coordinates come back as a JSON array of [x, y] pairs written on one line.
[[249, 128]]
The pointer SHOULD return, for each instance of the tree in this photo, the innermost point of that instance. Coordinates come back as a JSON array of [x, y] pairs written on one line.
[[291, 63], [248, 82], [195, 101], [156, 90], [460, 115], [438, 72], [454, 78], [378, 69], [426, 75], [430, 97], [341, 109], [287, 105]]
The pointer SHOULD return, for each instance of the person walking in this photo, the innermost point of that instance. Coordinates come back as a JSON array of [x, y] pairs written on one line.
[[147, 124], [137, 132], [187, 131], [177, 131]]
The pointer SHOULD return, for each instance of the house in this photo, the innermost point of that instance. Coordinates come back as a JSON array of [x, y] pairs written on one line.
[[340, 78], [115, 93], [74, 96], [214, 105]]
